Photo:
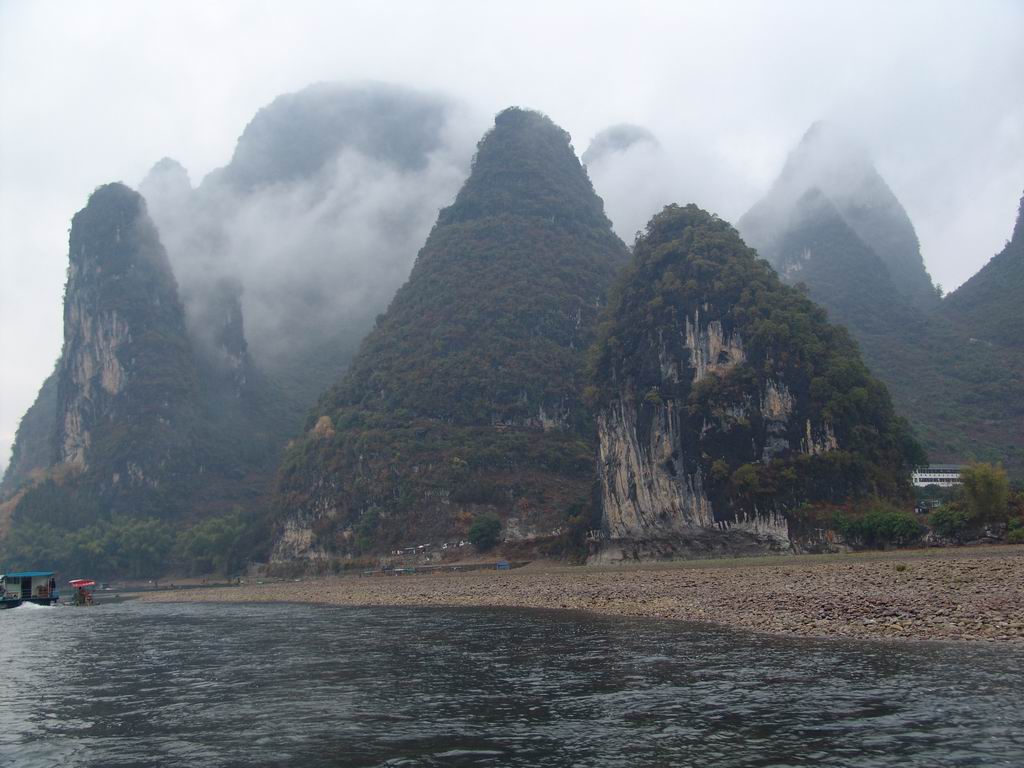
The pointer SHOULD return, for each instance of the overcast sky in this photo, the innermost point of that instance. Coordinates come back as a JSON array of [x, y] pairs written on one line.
[[96, 92]]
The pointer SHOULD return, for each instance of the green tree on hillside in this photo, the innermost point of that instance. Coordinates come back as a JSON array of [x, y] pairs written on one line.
[[484, 532], [986, 491], [213, 544]]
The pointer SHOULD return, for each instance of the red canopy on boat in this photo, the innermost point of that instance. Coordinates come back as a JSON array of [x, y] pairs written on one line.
[[79, 583]]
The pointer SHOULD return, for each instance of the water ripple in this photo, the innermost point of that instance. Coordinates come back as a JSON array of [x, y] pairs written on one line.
[[196, 685]]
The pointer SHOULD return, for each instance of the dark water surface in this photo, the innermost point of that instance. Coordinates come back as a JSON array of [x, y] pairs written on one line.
[[193, 685]]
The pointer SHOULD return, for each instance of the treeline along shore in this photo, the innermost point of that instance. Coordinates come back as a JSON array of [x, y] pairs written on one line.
[[969, 594]]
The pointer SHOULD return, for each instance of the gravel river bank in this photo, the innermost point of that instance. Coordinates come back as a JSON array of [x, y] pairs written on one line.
[[949, 594]]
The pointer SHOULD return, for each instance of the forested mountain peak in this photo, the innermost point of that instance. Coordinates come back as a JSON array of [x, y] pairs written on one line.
[[113, 237], [469, 387], [132, 430], [508, 245], [126, 390], [526, 166]]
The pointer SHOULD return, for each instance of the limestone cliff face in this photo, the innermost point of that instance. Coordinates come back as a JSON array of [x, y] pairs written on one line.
[[126, 382], [93, 377], [650, 485], [722, 396], [641, 489]]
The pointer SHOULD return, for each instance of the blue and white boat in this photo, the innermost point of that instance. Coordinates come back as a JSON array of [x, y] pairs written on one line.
[[39, 587]]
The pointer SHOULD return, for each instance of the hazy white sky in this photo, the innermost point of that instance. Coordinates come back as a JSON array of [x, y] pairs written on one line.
[[96, 92]]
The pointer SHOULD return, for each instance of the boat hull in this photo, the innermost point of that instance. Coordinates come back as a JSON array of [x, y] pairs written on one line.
[[15, 602], [42, 600]]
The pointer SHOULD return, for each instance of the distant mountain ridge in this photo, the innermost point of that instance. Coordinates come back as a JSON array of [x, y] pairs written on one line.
[[964, 398], [988, 305], [298, 134], [840, 170]]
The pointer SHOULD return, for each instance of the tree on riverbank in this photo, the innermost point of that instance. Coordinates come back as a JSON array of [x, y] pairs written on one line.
[[986, 492], [881, 526]]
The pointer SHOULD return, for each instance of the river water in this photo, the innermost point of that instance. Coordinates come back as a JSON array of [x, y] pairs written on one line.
[[136, 684]]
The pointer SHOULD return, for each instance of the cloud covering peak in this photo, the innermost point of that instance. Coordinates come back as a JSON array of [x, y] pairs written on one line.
[[318, 216]]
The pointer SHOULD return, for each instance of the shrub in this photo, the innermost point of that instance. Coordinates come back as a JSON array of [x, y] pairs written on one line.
[[484, 532], [746, 480], [882, 525], [949, 521], [986, 491], [1015, 534]]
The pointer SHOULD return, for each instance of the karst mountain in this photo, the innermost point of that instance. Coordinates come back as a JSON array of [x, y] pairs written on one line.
[[727, 405], [465, 399]]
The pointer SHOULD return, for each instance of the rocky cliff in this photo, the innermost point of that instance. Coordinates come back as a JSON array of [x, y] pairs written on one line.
[[32, 453], [726, 402], [465, 398], [145, 430], [126, 401], [126, 374]]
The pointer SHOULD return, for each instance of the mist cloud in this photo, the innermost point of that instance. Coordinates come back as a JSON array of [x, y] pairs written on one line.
[[327, 199], [637, 173]]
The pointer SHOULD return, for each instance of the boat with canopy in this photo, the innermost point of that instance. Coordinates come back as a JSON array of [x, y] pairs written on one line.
[[83, 591]]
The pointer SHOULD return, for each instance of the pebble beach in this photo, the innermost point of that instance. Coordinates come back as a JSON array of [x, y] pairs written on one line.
[[940, 594]]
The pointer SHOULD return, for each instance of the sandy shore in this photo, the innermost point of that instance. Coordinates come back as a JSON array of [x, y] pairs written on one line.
[[961, 594]]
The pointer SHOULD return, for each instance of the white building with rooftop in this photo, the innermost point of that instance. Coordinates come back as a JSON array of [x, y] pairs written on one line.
[[942, 475]]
